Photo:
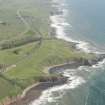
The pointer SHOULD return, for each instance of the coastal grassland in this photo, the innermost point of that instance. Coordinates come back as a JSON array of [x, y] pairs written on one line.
[[26, 18], [32, 20], [33, 12], [31, 60], [7, 88]]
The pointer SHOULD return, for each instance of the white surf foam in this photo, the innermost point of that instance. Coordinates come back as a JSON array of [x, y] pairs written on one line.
[[100, 64], [59, 23], [48, 95], [73, 82]]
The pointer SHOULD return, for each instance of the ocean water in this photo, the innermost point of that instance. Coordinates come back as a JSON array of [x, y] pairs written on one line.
[[83, 22]]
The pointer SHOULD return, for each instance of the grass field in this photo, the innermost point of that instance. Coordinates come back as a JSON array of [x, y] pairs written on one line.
[[27, 18], [31, 61], [33, 11]]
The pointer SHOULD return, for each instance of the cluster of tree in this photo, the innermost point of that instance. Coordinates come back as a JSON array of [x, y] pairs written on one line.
[[3, 23], [3, 66], [19, 42]]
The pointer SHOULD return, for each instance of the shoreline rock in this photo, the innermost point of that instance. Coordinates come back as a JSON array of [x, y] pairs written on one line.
[[36, 91], [45, 83], [77, 63]]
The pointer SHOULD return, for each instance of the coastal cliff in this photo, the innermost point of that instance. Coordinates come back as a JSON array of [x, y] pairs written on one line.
[[45, 82]]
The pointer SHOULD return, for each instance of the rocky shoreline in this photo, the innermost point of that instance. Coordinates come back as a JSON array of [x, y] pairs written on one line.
[[77, 63], [34, 92]]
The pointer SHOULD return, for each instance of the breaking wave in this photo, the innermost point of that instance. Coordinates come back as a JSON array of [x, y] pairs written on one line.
[[59, 22]]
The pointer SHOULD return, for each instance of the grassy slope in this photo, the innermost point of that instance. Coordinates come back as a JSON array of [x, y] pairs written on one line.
[[31, 58], [32, 10], [30, 67]]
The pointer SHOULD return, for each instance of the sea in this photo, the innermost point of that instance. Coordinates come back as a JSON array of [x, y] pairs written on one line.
[[82, 22]]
